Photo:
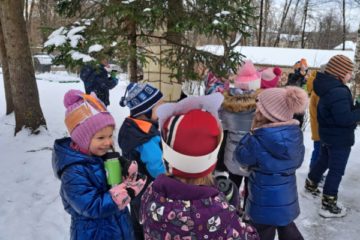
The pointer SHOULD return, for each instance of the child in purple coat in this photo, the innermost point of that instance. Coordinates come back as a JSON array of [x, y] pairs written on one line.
[[185, 204]]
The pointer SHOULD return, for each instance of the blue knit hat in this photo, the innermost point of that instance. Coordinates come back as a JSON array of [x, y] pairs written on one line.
[[140, 98]]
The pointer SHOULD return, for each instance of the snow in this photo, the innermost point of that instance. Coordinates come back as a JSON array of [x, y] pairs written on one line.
[[95, 48], [78, 55], [281, 56], [30, 206]]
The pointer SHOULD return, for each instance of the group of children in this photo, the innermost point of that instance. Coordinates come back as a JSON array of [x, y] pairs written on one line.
[[175, 149]]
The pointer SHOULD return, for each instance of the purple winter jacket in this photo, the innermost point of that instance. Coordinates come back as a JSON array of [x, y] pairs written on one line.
[[171, 209]]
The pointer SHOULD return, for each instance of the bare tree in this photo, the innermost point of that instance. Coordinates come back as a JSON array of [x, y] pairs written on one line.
[[6, 74], [24, 90], [306, 6], [344, 24], [266, 20], [260, 21], [287, 5]]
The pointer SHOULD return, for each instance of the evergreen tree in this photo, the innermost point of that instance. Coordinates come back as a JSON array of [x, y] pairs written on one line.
[[123, 29]]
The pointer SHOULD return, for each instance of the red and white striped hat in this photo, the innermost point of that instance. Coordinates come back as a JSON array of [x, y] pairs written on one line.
[[191, 135]]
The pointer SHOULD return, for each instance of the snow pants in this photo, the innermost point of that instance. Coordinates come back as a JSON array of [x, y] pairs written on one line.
[[335, 159], [315, 153]]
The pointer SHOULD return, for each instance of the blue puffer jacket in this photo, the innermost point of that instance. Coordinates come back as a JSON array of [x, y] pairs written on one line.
[[96, 80], [85, 196], [336, 114], [272, 155]]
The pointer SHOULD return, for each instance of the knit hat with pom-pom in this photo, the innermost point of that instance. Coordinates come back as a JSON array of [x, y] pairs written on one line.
[[280, 104], [270, 77], [85, 115]]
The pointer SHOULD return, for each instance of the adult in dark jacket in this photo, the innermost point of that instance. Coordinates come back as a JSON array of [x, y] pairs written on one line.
[[97, 79], [337, 118]]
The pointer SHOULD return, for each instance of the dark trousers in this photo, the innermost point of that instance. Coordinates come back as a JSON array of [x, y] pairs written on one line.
[[315, 153], [335, 159], [288, 232]]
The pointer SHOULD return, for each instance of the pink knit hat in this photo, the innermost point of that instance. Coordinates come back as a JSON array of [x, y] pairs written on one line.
[[85, 115], [280, 104], [247, 78], [270, 77]]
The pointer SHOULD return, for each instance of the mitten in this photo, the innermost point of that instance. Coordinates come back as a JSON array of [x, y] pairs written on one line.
[[129, 169], [120, 195], [134, 187], [113, 74]]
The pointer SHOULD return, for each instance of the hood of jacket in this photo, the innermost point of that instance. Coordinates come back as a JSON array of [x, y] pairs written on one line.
[[324, 83], [137, 133], [240, 102], [63, 156]]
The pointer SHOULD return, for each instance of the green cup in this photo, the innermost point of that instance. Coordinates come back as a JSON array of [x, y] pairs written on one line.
[[113, 168]]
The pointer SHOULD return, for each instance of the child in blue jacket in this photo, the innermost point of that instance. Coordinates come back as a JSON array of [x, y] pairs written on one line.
[[97, 210], [139, 138], [272, 152]]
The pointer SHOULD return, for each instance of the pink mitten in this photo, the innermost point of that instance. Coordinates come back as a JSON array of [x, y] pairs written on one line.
[[134, 187], [120, 195], [132, 171]]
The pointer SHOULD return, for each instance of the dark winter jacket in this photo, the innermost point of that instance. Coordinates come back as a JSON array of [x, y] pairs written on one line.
[[140, 140], [96, 80], [296, 79], [336, 114], [85, 196], [172, 209], [272, 155]]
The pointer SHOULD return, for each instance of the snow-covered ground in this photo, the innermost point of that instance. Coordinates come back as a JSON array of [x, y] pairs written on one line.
[[30, 206]]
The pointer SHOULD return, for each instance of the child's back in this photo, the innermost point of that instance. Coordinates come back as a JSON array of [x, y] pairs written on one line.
[[185, 203], [139, 138], [272, 152]]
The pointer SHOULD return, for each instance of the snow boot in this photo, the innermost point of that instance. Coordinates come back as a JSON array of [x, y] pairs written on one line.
[[331, 208], [312, 187]]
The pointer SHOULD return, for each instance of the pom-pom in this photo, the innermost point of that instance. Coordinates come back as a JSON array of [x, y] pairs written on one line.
[[296, 99], [71, 97], [277, 71]]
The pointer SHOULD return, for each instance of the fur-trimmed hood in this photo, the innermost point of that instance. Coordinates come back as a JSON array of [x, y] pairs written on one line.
[[241, 102]]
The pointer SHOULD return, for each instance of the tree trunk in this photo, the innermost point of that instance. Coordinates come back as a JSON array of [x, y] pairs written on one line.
[[6, 74], [266, 19], [357, 65], [24, 90], [260, 21], [175, 12], [344, 25], [283, 18], [133, 45], [44, 17], [306, 6]]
